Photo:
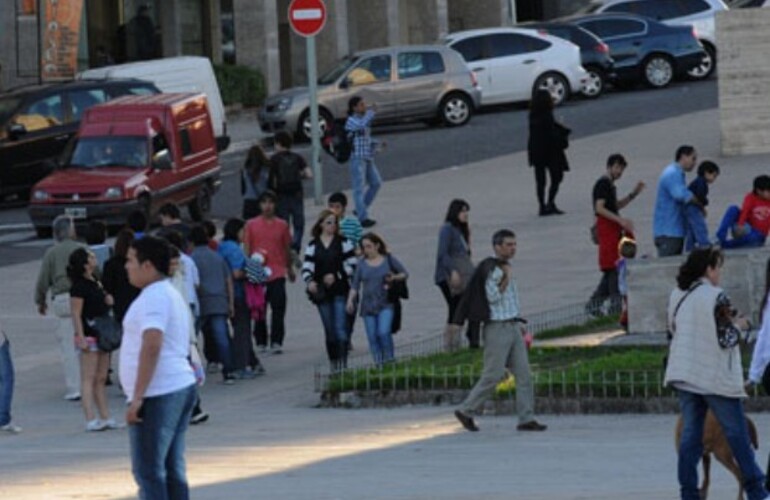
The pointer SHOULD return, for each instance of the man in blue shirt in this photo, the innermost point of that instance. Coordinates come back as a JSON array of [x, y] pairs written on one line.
[[669, 225], [362, 168]]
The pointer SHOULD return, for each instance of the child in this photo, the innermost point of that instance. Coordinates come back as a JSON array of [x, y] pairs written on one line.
[[751, 223], [697, 231], [626, 250], [6, 386], [350, 226]]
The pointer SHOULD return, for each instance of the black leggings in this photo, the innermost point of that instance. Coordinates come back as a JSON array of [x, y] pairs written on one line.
[[557, 174], [452, 301]]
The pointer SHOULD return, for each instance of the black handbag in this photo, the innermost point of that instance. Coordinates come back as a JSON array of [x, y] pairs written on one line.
[[766, 379], [110, 332], [397, 289]]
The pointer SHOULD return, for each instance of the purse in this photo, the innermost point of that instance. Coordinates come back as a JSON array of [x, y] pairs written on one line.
[[397, 289], [465, 268], [109, 330]]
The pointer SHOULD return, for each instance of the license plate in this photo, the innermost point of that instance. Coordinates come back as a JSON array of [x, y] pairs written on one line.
[[76, 212]]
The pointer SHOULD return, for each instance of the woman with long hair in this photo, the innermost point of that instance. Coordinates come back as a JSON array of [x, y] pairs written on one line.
[[377, 269], [704, 367], [454, 269], [88, 300], [327, 268], [548, 139], [115, 277], [254, 180]]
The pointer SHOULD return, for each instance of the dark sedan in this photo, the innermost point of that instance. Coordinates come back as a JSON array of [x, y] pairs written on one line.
[[594, 54], [645, 50]]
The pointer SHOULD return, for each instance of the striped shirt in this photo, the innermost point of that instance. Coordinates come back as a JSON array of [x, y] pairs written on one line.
[[350, 227], [345, 264], [360, 127], [502, 305]]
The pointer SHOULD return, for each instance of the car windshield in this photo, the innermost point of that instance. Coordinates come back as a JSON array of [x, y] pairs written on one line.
[[337, 71], [112, 151], [7, 106], [590, 8]]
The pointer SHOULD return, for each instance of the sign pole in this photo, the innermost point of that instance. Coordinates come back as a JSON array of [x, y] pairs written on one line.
[[315, 132]]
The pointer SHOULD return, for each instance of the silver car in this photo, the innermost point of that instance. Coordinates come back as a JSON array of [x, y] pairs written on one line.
[[414, 82]]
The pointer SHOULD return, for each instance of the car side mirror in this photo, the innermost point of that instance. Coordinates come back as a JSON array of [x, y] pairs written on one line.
[[345, 83], [16, 131], [162, 160]]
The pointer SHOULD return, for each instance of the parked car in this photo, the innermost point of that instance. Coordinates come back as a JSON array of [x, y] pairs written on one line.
[[594, 54], [413, 82], [133, 153], [511, 63], [696, 13], [749, 4], [37, 121], [645, 50], [175, 74]]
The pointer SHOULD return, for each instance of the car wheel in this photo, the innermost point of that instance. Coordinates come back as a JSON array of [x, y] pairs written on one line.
[[43, 231], [200, 207], [456, 110], [707, 67], [658, 71], [594, 85], [556, 85], [305, 128]]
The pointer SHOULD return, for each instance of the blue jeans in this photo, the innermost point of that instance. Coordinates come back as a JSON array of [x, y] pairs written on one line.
[[334, 319], [291, 208], [697, 232], [752, 238], [364, 171], [6, 383], [729, 413], [157, 445], [378, 331], [216, 325]]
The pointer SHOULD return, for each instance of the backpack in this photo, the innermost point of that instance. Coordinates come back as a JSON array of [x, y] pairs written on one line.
[[337, 142], [287, 173]]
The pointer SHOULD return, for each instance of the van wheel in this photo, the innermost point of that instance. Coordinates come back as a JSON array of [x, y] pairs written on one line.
[[43, 232], [200, 207]]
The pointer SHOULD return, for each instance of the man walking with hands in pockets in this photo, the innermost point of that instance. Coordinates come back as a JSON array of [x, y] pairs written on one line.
[[492, 297]]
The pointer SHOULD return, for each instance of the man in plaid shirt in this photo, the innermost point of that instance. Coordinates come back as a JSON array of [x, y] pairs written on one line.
[[362, 168]]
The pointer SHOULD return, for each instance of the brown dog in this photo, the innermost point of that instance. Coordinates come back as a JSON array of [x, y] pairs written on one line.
[[714, 442]]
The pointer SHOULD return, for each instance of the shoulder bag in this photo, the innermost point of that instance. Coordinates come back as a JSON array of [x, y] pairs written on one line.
[[397, 289], [110, 332]]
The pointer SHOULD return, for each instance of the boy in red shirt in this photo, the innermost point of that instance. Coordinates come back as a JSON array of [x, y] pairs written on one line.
[[751, 223]]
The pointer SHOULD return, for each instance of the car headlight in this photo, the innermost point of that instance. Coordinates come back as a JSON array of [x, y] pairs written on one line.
[[283, 104], [40, 195], [113, 192]]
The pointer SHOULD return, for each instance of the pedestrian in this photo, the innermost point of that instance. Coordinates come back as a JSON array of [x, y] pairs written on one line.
[[88, 301], [215, 295], [6, 385], [454, 269], [115, 276], [288, 169], [363, 171], [245, 361], [669, 225], [610, 228], [171, 220], [704, 367], [137, 222], [626, 251], [751, 223], [697, 230], [155, 373], [254, 180], [53, 277], [328, 267], [268, 235], [493, 299], [548, 139], [96, 239], [375, 272], [211, 232]]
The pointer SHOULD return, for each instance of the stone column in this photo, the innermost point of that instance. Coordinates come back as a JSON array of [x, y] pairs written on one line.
[[272, 68], [394, 26], [340, 27], [214, 30], [442, 18], [256, 39], [171, 28]]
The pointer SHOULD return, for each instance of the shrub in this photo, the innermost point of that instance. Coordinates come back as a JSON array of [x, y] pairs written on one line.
[[240, 85]]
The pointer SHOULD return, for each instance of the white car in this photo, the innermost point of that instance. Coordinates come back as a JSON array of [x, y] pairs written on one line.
[[696, 13], [510, 63]]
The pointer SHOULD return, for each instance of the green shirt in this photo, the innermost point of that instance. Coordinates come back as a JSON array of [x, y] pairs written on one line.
[[53, 270]]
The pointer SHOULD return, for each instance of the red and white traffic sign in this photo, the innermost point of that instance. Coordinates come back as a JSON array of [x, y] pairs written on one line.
[[307, 17]]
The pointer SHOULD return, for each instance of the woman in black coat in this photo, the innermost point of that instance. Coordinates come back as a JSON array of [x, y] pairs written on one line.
[[548, 139]]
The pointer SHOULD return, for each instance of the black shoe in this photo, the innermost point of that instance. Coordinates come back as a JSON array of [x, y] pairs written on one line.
[[199, 418], [555, 210], [544, 210], [466, 421], [368, 223], [532, 425]]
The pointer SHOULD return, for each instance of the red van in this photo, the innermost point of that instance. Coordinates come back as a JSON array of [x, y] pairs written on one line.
[[133, 153]]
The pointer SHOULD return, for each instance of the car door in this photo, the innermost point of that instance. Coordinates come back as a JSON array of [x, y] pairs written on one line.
[[421, 76], [42, 134], [372, 79], [513, 64], [472, 51], [624, 36]]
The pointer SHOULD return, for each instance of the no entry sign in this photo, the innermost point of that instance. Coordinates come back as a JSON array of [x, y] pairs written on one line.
[[307, 17]]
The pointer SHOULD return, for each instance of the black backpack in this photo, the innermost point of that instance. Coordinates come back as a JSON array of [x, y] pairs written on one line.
[[287, 172], [338, 142]]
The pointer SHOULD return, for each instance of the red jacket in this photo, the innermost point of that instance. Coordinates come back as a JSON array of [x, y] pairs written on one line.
[[756, 212]]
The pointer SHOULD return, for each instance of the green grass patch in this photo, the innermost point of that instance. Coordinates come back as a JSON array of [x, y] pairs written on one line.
[[600, 324]]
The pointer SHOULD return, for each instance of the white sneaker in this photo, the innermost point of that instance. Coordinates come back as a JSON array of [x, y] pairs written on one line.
[[95, 425], [111, 424], [72, 396], [10, 428]]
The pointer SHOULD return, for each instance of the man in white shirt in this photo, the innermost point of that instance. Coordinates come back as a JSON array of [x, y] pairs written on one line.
[[156, 374]]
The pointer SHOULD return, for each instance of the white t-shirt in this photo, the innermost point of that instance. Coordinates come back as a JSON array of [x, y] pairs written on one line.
[[159, 306]]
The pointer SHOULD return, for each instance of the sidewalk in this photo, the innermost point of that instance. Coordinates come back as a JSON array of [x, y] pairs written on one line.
[[266, 441]]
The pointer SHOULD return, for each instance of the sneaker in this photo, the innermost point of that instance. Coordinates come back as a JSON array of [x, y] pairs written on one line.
[[72, 396], [466, 421], [262, 348], [532, 425], [95, 425], [111, 424], [368, 223], [246, 374], [199, 418], [276, 349], [229, 380], [259, 370], [212, 368], [10, 428]]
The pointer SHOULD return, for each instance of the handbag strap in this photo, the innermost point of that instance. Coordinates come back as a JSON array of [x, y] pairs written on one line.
[[678, 305]]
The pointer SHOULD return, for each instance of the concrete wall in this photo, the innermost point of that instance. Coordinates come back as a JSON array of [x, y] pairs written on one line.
[[650, 282], [464, 15], [743, 63]]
